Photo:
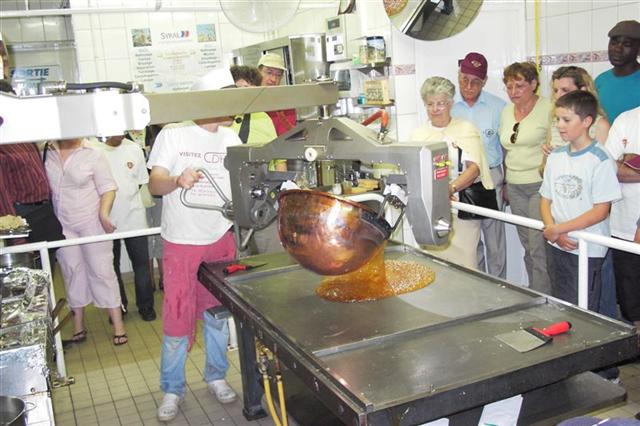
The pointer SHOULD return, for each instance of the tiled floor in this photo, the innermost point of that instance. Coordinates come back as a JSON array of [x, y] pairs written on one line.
[[119, 385], [439, 26]]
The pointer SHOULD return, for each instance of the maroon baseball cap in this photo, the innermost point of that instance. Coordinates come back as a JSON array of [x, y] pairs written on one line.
[[475, 64]]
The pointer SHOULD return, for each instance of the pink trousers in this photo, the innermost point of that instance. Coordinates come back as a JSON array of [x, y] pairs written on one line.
[[185, 299]]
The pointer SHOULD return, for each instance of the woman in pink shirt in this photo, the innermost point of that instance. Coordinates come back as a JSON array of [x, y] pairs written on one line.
[[82, 191]]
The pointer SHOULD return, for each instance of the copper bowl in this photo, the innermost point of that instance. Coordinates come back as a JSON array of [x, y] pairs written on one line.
[[328, 234]]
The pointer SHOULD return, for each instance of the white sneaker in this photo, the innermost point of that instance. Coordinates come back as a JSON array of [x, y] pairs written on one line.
[[168, 410], [223, 392]]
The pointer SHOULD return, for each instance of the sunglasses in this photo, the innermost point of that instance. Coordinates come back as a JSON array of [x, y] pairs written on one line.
[[514, 135]]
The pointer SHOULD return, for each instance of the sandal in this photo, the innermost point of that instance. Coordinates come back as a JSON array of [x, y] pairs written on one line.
[[120, 339], [78, 337]]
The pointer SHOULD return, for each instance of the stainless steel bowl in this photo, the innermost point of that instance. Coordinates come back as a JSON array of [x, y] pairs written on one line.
[[327, 234]]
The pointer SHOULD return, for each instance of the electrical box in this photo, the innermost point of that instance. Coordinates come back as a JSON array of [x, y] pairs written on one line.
[[342, 37]]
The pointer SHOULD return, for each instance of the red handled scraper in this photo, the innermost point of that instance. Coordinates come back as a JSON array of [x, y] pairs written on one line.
[[235, 267], [527, 339]]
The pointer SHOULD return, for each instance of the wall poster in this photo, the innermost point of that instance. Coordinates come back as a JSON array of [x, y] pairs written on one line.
[[171, 60]]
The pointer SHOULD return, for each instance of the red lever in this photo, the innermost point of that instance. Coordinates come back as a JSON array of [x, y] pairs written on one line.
[[231, 269], [555, 329]]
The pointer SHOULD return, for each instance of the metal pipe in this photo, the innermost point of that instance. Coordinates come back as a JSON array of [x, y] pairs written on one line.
[[583, 273]]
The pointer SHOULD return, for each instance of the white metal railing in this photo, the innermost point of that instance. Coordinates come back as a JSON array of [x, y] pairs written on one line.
[[583, 238]]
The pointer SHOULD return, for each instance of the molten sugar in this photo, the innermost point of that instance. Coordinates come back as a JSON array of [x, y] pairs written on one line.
[[375, 280]]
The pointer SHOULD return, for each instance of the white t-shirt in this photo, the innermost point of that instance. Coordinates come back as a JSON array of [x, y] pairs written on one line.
[[575, 181], [187, 145], [624, 138], [130, 171]]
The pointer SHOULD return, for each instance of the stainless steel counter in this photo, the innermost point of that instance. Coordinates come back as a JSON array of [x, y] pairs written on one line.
[[419, 356]]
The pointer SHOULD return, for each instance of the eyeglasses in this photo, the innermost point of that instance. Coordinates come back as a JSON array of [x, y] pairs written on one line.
[[437, 105], [514, 135]]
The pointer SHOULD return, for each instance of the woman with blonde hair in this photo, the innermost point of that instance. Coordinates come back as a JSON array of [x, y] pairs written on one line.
[[565, 80]]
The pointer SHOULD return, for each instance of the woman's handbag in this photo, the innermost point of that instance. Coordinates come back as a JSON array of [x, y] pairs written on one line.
[[476, 195]]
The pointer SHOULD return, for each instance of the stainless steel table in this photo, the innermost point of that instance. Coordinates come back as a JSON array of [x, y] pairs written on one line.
[[405, 360]]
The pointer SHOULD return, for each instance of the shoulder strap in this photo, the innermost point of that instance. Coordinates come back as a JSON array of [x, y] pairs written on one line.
[[459, 160], [243, 134], [44, 152]]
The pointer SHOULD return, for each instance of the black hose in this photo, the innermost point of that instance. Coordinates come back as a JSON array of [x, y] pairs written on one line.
[[100, 85]]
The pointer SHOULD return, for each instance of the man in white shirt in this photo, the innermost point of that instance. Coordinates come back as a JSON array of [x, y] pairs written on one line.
[[623, 144], [128, 167], [192, 236]]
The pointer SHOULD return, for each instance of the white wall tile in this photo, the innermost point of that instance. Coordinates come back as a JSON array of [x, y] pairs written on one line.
[[98, 48], [556, 7], [184, 20], [32, 29], [604, 20], [599, 67], [629, 10], [81, 22], [11, 30], [136, 20], [208, 18], [230, 37], [118, 70], [601, 4], [580, 25], [79, 3], [406, 124], [112, 20], [54, 28], [160, 19], [95, 21], [115, 43], [87, 70], [406, 94], [556, 36], [403, 48], [101, 70], [580, 5]]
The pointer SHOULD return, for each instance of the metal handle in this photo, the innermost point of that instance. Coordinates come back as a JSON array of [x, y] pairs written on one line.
[[395, 202], [226, 209]]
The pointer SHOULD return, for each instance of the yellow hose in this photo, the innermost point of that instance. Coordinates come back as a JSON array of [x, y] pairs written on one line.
[[283, 409], [267, 393], [536, 13]]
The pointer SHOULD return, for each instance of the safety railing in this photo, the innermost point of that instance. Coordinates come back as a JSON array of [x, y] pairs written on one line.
[[583, 238]]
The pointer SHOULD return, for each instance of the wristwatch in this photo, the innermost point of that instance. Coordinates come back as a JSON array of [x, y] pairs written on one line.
[[455, 189]]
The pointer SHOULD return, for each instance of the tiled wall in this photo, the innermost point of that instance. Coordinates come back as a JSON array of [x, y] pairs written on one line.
[[574, 32], [570, 31]]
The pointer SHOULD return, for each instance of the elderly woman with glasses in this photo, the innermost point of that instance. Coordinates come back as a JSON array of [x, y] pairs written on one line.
[[468, 163], [524, 126]]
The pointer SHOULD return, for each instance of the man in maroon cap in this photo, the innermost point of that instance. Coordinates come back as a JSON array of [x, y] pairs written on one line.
[[483, 110], [619, 87]]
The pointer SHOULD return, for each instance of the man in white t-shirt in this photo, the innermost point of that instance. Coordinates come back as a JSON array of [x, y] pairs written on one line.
[[192, 236], [128, 167], [623, 144]]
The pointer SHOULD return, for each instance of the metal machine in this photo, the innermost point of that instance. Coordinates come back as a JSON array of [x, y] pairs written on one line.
[[423, 172]]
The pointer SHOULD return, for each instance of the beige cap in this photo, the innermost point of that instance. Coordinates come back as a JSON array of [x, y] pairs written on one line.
[[214, 80], [272, 60]]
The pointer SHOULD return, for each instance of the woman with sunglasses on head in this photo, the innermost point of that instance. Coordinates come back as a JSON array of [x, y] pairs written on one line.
[[524, 126], [468, 163]]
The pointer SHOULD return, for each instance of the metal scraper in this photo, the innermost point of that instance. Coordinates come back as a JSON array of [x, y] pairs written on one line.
[[527, 339]]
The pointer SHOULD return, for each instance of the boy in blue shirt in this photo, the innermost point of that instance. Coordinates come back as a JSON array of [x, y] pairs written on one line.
[[578, 188]]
